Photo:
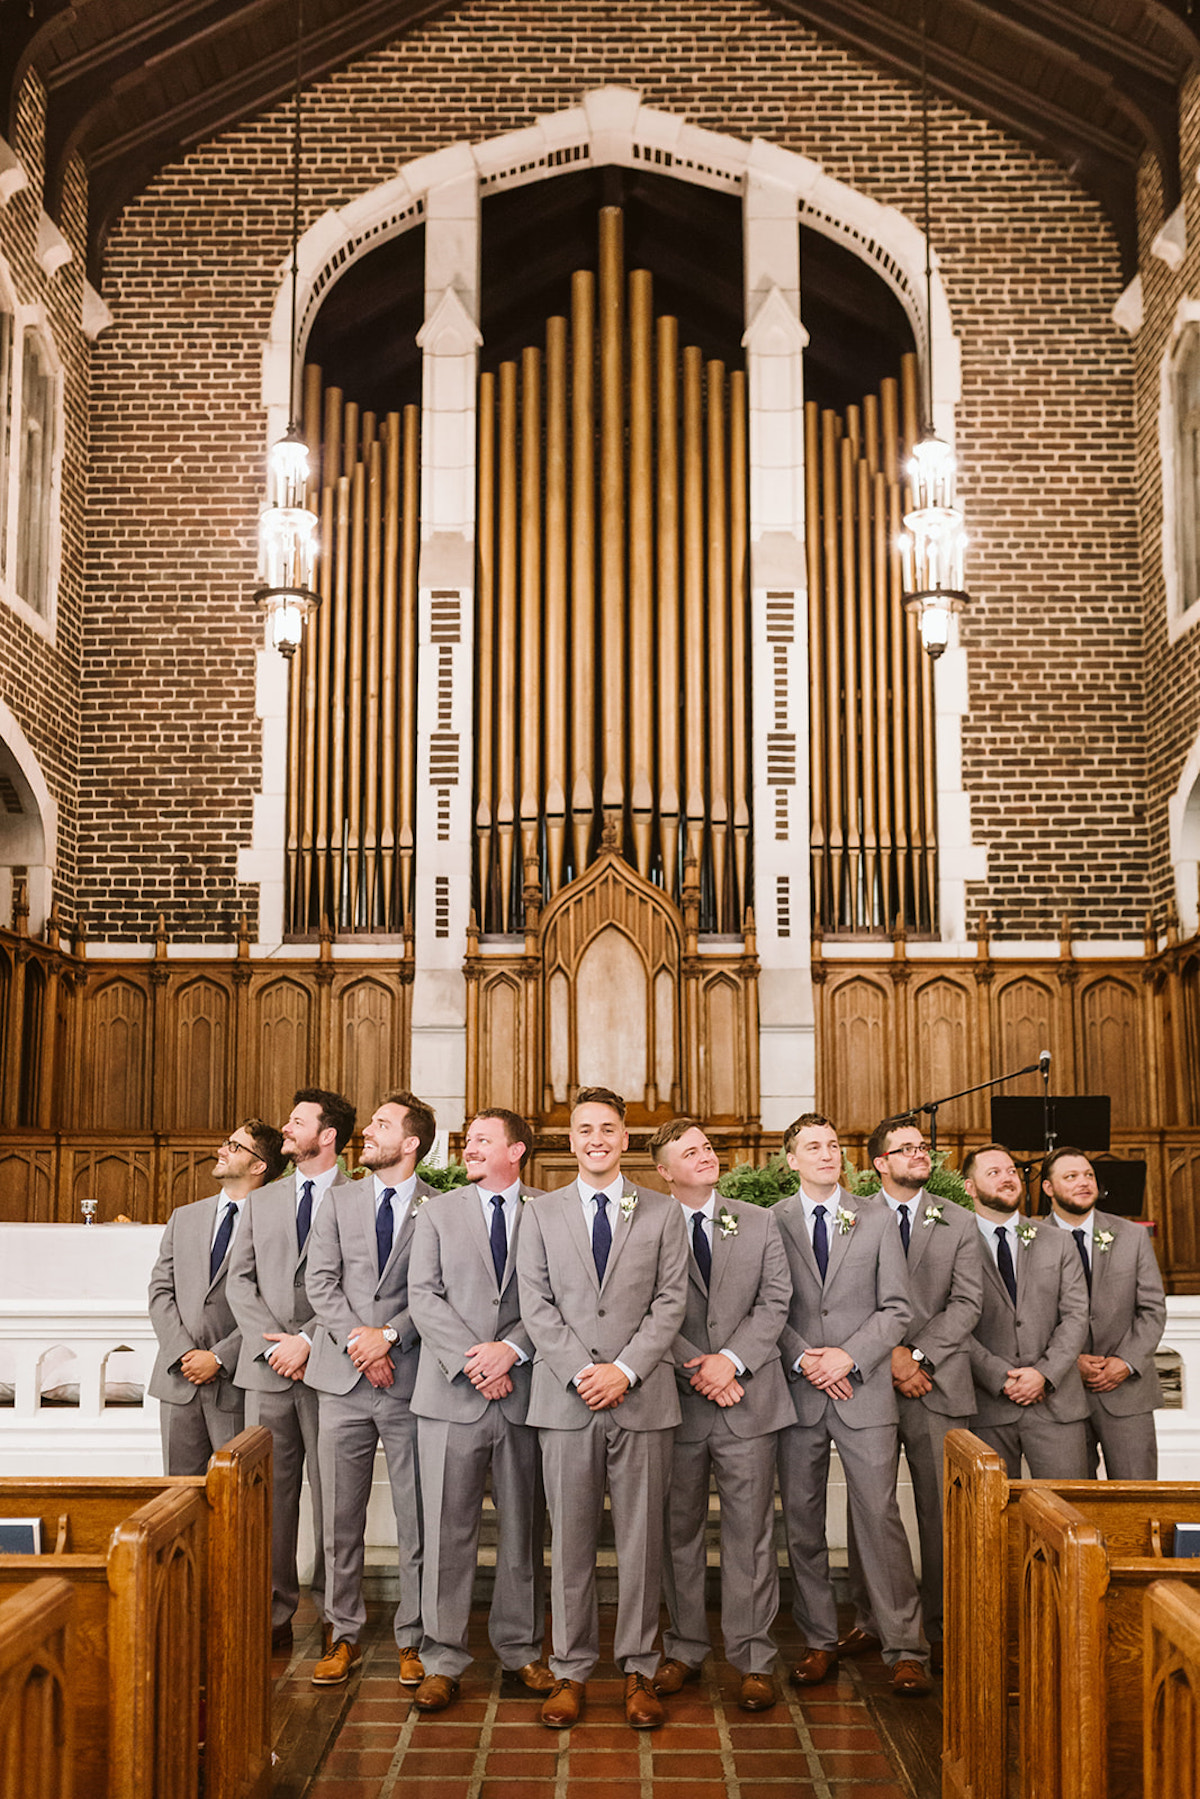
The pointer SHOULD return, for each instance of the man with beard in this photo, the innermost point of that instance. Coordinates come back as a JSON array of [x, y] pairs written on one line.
[[198, 1341], [1028, 1395], [267, 1267], [364, 1366], [1127, 1315]]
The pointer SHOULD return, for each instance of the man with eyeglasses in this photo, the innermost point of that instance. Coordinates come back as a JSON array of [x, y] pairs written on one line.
[[267, 1268], [200, 1408], [931, 1369]]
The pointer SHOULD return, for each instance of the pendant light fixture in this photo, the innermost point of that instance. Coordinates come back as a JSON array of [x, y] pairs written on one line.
[[934, 541], [287, 528]]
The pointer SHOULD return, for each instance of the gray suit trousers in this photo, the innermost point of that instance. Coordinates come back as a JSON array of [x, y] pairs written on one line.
[[745, 1474], [869, 1459], [1054, 1451], [191, 1432], [574, 1466], [291, 1418], [350, 1426], [455, 1459], [923, 1439], [1130, 1445]]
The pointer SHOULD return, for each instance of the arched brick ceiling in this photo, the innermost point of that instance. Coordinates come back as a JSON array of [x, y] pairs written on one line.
[[132, 84]]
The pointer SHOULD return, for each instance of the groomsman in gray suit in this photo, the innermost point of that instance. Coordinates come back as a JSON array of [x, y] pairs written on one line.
[[602, 1266], [198, 1341], [267, 1295], [931, 1369], [850, 1308], [1127, 1316], [1024, 1350], [735, 1402], [364, 1366], [471, 1399]]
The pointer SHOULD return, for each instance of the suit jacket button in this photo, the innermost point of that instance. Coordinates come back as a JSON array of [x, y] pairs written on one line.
[[495, 1302], [600, 1313]]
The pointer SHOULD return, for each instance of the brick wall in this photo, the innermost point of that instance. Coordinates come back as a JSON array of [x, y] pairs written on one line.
[[1053, 748]]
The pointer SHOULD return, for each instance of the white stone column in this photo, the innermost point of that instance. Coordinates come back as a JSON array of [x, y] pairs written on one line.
[[774, 344], [450, 341]]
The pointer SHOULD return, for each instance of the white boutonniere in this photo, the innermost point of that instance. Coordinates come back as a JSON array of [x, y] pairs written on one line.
[[846, 1221], [933, 1215], [728, 1223], [418, 1200], [1103, 1241], [628, 1205], [1027, 1232]]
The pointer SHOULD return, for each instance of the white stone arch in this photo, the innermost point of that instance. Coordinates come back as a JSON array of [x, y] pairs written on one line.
[[1182, 614], [1183, 819], [28, 837]]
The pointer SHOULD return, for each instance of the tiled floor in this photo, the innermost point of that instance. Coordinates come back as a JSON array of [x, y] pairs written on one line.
[[365, 1740]]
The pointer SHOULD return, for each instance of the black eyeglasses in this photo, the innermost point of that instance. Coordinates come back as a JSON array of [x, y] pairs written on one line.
[[908, 1149], [232, 1143]]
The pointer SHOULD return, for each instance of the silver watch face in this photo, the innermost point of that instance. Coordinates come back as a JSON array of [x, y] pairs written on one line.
[[918, 1355]]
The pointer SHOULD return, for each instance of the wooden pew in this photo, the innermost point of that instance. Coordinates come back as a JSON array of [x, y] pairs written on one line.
[[1082, 1612], [1171, 1692], [983, 1573], [80, 1515], [37, 1714], [135, 1669]]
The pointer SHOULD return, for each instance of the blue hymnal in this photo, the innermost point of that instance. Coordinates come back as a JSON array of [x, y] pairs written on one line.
[[1187, 1540], [20, 1536]]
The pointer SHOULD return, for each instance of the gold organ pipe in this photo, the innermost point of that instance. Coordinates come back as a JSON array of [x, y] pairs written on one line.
[[667, 544], [485, 619], [851, 715], [898, 623], [881, 724], [554, 704], [371, 683], [641, 564], [331, 439], [866, 666], [612, 514], [506, 595], [349, 437], [354, 695], [407, 706], [870, 448], [337, 784], [368, 431], [738, 660], [816, 657], [583, 565], [323, 703], [910, 408], [388, 702], [833, 673], [529, 683], [718, 638], [920, 715], [695, 707]]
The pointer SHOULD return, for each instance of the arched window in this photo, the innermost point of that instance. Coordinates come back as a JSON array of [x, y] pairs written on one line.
[[1185, 398], [7, 334], [35, 480]]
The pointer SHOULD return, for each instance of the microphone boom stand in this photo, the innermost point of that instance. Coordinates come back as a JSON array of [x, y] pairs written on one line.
[[931, 1106]]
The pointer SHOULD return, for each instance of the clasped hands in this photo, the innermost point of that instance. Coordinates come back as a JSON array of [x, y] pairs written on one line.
[[370, 1352], [829, 1369], [199, 1366], [1025, 1386], [716, 1378], [908, 1376], [1101, 1373], [487, 1368], [290, 1354]]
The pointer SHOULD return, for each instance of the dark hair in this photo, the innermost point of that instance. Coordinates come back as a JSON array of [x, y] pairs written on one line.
[[268, 1147], [337, 1114], [671, 1132], [599, 1096], [421, 1119], [968, 1168], [877, 1142], [515, 1128], [802, 1124], [1057, 1154]]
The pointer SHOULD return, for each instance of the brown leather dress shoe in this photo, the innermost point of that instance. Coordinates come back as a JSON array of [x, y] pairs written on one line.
[[334, 1669], [563, 1704], [536, 1676], [643, 1707], [814, 1666], [758, 1692], [911, 1680], [671, 1674], [435, 1693], [858, 1642], [412, 1671]]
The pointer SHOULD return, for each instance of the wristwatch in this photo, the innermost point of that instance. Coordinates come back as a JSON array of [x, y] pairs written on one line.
[[390, 1335], [918, 1356]]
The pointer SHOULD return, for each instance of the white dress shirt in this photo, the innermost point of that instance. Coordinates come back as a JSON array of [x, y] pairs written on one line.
[[708, 1211], [508, 1211], [588, 1197]]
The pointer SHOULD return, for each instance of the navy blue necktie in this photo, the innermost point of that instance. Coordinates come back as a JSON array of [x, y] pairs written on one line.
[[820, 1239], [221, 1242], [384, 1227], [304, 1214], [1083, 1257], [499, 1237], [905, 1227], [1004, 1262], [700, 1249], [601, 1235]]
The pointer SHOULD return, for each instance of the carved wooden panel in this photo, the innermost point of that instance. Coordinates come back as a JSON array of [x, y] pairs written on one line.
[[1182, 1233], [187, 1174], [722, 1051], [1113, 1050], [202, 1099], [27, 1176], [370, 1066], [1025, 1026], [120, 1178], [613, 1019], [502, 1037], [946, 1051], [115, 1093], [284, 1009], [862, 1090]]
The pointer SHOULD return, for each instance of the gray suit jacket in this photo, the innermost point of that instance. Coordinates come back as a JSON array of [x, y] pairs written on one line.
[[743, 1309], [634, 1317], [456, 1301], [945, 1282], [347, 1290], [1128, 1313], [266, 1278], [1046, 1329], [862, 1307], [187, 1310]]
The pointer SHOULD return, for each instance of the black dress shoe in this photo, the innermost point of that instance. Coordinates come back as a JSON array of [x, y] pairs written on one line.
[[281, 1637]]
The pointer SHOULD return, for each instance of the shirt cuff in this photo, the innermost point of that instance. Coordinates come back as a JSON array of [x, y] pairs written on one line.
[[735, 1359], [586, 1369], [516, 1349], [627, 1371]]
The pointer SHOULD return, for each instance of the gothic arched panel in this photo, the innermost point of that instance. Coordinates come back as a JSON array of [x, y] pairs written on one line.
[[201, 1056]]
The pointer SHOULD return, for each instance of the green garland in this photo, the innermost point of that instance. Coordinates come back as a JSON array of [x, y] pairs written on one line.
[[943, 1182], [775, 1181]]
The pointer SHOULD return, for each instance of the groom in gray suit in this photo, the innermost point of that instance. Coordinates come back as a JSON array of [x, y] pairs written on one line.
[[602, 1267], [471, 1397], [364, 1366], [735, 1402], [198, 1340], [267, 1267]]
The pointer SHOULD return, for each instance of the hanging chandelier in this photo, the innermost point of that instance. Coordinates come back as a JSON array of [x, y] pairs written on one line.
[[934, 540], [287, 527]]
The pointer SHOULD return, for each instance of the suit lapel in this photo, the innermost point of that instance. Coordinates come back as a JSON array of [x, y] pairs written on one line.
[[839, 1239], [578, 1231], [478, 1232], [723, 1248], [797, 1224], [621, 1227], [992, 1273], [920, 1232], [206, 1238]]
